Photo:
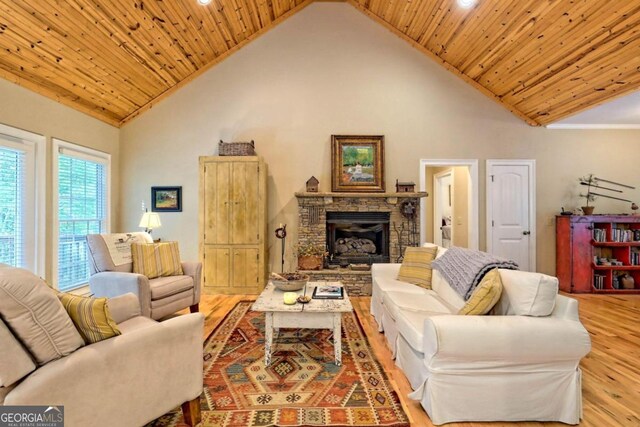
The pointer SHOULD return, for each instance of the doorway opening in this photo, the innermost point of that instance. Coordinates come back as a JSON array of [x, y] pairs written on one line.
[[450, 213]]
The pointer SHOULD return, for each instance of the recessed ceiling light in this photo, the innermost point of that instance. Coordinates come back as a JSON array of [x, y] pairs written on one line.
[[467, 4], [204, 2]]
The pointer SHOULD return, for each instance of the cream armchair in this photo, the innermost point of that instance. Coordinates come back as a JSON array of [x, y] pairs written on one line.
[[158, 297], [128, 380]]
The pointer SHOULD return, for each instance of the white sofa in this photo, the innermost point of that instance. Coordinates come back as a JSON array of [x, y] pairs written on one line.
[[498, 367]]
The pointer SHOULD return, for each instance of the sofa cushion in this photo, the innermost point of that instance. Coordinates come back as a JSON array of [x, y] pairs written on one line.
[[15, 361], [526, 294], [91, 316], [425, 303], [36, 316], [136, 323], [410, 325], [156, 259], [382, 285], [163, 287], [416, 266], [485, 295], [101, 257]]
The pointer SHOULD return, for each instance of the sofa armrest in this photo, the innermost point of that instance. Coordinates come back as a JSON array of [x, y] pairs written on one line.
[[124, 307], [503, 340], [111, 284], [126, 380], [386, 271], [194, 269]]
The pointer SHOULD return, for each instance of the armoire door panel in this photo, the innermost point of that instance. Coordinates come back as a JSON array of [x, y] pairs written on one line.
[[245, 268], [217, 267], [238, 214], [222, 211], [251, 204]]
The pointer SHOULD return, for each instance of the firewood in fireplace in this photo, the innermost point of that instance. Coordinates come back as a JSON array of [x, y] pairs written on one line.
[[354, 246]]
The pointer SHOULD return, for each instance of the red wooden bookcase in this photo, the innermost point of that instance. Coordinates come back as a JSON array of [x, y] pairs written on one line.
[[579, 254]]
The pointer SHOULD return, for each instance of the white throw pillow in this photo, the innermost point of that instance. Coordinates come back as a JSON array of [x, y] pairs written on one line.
[[526, 294]]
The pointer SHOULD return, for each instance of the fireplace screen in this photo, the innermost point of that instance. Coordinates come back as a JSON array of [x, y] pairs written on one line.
[[358, 237]]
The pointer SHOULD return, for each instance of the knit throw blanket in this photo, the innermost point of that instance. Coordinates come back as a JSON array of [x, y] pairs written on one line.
[[463, 268]]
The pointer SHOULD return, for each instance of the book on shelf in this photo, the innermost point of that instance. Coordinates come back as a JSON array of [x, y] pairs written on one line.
[[328, 292], [598, 281], [621, 235], [599, 235]]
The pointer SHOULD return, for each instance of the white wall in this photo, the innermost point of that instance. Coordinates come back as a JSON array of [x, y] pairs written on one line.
[[23, 109], [331, 70]]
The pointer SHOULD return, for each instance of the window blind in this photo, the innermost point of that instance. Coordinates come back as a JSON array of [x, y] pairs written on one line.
[[82, 205], [12, 207]]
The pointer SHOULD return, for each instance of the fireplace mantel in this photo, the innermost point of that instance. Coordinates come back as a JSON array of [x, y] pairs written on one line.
[[357, 195]]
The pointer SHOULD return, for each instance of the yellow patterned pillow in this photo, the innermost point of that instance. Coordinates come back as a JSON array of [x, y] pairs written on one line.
[[156, 259], [485, 295], [416, 266], [91, 317]]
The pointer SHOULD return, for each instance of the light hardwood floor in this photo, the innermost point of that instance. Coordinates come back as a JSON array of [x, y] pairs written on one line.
[[611, 372]]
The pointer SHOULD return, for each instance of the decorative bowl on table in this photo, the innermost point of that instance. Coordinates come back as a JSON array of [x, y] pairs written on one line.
[[289, 282]]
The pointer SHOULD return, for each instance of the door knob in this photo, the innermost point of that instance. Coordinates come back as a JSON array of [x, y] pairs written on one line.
[[526, 233]]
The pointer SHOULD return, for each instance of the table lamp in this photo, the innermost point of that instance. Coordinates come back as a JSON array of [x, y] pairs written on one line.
[[149, 221]]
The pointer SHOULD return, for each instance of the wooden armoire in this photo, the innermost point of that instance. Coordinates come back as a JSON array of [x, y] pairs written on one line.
[[233, 211]]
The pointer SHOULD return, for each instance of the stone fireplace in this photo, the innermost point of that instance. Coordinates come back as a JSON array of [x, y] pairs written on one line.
[[357, 228], [357, 237]]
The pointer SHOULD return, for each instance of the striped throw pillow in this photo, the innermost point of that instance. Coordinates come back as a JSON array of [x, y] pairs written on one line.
[[485, 295], [416, 266], [90, 316], [156, 259]]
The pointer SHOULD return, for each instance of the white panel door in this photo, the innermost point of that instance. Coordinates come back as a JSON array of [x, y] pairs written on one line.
[[509, 201]]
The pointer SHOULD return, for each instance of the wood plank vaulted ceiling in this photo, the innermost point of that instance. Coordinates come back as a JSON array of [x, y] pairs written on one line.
[[113, 59]]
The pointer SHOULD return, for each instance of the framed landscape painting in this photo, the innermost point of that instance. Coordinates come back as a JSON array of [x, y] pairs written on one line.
[[166, 199], [357, 163]]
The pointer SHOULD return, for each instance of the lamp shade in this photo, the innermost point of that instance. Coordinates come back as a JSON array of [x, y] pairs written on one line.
[[150, 220]]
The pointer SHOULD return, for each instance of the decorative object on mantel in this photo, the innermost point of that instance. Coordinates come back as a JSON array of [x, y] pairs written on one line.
[[310, 257], [634, 209], [357, 163], [312, 185], [236, 148], [405, 187], [591, 182], [281, 233]]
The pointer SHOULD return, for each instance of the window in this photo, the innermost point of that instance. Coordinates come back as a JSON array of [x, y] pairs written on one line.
[[21, 210], [17, 196], [82, 208]]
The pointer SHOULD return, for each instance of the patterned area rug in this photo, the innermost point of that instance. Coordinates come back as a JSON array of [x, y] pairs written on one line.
[[302, 387]]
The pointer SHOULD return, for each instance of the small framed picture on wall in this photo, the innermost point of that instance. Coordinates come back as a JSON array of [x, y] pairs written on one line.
[[166, 199]]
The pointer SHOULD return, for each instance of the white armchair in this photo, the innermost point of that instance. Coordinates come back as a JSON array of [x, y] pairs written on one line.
[[158, 297]]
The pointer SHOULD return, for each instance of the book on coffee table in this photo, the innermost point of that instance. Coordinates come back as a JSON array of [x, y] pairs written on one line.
[[328, 292]]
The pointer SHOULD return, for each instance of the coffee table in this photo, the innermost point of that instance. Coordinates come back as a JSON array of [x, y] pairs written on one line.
[[317, 314]]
